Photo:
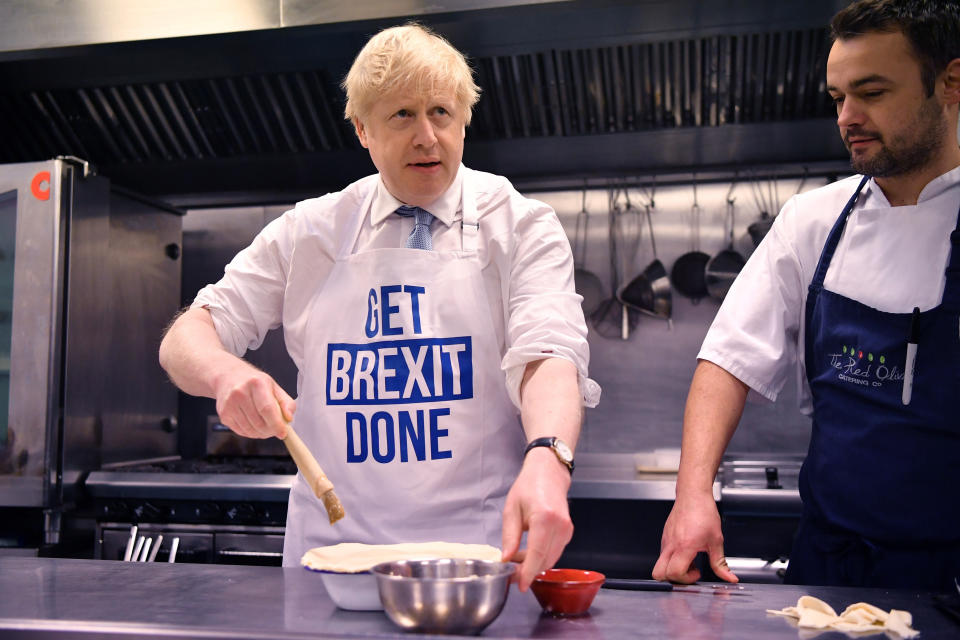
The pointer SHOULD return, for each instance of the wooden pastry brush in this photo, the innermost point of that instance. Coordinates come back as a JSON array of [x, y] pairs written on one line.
[[313, 474]]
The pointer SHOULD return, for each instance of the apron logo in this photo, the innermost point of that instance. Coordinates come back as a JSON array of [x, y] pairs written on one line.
[[401, 371], [863, 368]]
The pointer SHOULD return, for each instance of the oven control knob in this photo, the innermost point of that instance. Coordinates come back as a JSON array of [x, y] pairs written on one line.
[[115, 510], [242, 512], [148, 512], [207, 511]]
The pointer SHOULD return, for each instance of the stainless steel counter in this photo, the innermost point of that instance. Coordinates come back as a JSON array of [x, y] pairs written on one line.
[[58, 598]]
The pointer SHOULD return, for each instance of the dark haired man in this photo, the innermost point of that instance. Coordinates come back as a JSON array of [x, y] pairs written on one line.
[[842, 297]]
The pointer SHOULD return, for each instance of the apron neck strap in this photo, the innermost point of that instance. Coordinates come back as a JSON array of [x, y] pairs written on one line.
[[834, 238], [470, 223]]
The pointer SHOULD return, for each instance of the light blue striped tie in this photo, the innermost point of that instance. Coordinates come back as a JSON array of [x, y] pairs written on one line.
[[419, 238]]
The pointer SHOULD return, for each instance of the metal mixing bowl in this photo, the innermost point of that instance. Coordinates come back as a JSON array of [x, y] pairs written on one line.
[[443, 596]]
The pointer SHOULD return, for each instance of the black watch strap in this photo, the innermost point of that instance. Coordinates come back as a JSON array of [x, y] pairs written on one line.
[[559, 448]]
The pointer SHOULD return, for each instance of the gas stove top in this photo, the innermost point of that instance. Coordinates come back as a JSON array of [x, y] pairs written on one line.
[[213, 478], [211, 490], [271, 465]]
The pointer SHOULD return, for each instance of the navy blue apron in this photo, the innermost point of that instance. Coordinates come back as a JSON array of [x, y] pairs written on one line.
[[881, 481]]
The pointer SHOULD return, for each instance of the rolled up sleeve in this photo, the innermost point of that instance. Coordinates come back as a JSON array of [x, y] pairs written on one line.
[[754, 335], [544, 316], [247, 302]]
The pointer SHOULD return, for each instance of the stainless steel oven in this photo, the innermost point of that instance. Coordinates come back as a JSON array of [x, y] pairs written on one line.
[[89, 275]]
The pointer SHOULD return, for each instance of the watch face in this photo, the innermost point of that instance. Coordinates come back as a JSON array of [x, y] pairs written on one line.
[[563, 450]]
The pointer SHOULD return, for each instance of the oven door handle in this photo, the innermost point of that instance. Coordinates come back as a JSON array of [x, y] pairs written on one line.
[[237, 553]]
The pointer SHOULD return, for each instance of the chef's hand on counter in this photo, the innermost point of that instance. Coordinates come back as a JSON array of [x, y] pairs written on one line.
[[693, 526], [551, 405], [249, 401], [714, 406]]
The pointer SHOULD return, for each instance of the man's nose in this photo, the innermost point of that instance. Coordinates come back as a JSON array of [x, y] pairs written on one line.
[[424, 135], [849, 113]]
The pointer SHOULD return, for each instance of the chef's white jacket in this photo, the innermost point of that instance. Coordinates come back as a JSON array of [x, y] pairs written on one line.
[[890, 258], [525, 258]]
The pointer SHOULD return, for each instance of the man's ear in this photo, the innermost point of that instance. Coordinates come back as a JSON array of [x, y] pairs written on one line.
[[951, 82], [361, 132]]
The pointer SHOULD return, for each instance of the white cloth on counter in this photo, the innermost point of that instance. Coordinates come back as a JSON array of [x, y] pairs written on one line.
[[889, 258], [860, 618], [523, 251]]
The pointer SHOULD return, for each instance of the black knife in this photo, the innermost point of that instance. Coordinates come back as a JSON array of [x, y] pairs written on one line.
[[637, 585]]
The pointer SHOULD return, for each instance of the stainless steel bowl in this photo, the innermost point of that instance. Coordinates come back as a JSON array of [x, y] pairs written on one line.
[[443, 596]]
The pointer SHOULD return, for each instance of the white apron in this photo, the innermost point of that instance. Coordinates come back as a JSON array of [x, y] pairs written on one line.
[[403, 402]]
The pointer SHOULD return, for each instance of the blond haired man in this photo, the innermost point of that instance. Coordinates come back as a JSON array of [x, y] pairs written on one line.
[[419, 337]]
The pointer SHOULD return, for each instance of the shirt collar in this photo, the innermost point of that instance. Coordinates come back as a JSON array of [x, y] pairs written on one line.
[[933, 188], [444, 208]]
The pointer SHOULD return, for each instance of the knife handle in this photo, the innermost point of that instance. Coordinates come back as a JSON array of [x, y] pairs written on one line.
[[637, 585]]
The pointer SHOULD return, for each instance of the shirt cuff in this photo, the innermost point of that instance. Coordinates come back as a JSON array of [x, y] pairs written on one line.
[[229, 334], [759, 390], [514, 364]]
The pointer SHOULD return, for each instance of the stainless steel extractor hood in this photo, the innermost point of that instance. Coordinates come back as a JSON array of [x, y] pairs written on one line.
[[570, 89]]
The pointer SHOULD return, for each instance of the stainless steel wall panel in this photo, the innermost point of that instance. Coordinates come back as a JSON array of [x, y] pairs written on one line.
[[137, 292], [88, 334], [307, 12], [35, 24]]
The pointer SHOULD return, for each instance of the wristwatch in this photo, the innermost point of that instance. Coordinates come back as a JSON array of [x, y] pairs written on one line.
[[559, 447]]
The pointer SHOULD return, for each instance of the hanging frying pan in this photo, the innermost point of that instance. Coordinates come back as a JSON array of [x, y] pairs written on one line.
[[688, 272], [724, 267], [587, 283]]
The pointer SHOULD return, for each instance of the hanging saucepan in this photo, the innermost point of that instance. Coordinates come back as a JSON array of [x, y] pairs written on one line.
[[768, 205], [649, 292], [758, 230], [688, 272], [724, 267], [587, 283]]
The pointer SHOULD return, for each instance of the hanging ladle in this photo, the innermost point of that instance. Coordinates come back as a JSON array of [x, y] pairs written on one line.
[[650, 291], [587, 283], [724, 267]]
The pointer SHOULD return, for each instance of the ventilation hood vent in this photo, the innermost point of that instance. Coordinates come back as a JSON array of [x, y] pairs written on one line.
[[634, 97]]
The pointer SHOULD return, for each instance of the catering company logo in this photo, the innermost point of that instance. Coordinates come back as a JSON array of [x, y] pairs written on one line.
[[855, 366]]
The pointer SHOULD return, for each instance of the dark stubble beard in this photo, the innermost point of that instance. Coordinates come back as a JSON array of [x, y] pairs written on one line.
[[905, 155]]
